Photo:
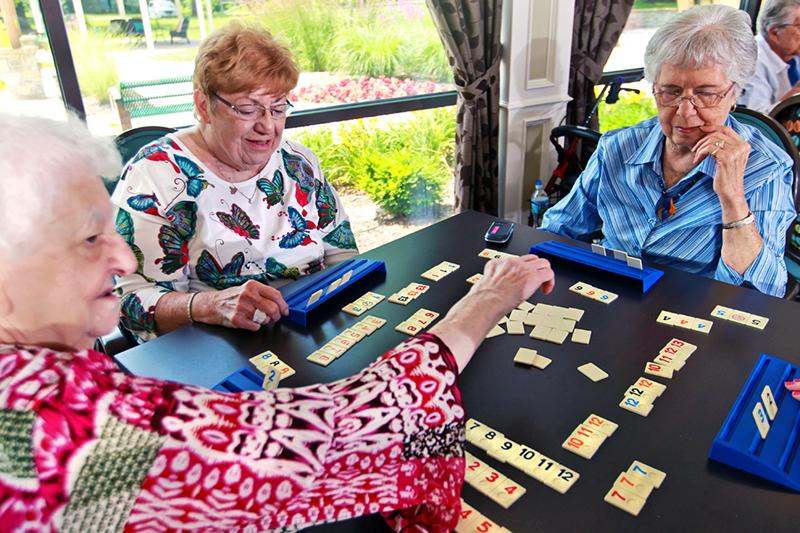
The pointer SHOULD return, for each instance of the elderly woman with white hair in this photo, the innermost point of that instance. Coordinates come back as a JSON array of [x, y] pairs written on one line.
[[85, 447], [691, 188]]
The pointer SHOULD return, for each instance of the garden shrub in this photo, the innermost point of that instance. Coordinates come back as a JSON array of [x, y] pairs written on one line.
[[94, 56], [629, 110]]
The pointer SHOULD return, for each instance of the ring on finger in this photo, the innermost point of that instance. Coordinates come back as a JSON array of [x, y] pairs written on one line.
[[259, 316], [714, 153], [720, 144]]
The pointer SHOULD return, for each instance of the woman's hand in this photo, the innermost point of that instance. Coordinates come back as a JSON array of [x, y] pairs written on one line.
[[731, 153], [236, 307], [794, 388]]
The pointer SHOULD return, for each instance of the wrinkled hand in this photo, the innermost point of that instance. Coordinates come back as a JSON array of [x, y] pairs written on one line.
[[731, 160], [517, 278], [235, 307], [794, 388]]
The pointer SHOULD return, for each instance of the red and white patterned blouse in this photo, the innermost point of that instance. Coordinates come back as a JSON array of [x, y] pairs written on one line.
[[85, 447]]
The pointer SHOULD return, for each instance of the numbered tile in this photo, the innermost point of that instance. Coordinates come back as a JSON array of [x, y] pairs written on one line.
[[335, 350], [656, 369], [703, 326], [486, 439], [321, 358], [561, 479], [525, 356], [473, 429], [634, 484], [515, 328], [769, 402], [427, 313], [541, 467], [667, 318], [501, 449], [353, 309], [721, 312], [261, 360], [673, 362], [495, 331], [579, 287], [739, 316], [640, 393], [419, 321], [373, 321], [486, 253], [522, 457], [340, 340], [285, 370], [581, 336], [411, 293], [473, 469], [475, 279], [625, 500], [601, 424], [484, 525], [409, 329], [507, 493], [606, 297], [446, 265], [367, 329], [433, 276], [374, 296], [682, 346], [674, 353], [591, 292], [488, 480], [654, 386], [468, 517], [651, 475], [400, 299], [419, 287], [580, 446], [633, 405], [760, 415], [272, 378], [684, 321], [354, 334], [758, 322]]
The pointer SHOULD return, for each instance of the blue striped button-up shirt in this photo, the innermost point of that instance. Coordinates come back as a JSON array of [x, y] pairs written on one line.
[[619, 190]]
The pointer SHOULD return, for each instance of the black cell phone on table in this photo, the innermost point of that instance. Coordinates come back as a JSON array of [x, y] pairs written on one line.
[[499, 232]]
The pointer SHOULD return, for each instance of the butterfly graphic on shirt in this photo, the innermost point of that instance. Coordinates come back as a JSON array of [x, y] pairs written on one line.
[[273, 190], [157, 151], [276, 269], [326, 206], [145, 203], [238, 222], [210, 272], [314, 266], [195, 184], [300, 171], [174, 239], [300, 227], [134, 317], [124, 226], [341, 237]]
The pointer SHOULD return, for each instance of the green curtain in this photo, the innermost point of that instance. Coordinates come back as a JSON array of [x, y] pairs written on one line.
[[470, 31]]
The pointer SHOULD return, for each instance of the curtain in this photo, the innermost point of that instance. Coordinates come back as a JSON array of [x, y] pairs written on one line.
[[596, 29], [470, 31]]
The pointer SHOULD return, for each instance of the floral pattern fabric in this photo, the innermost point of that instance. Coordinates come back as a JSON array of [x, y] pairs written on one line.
[[193, 231], [84, 447]]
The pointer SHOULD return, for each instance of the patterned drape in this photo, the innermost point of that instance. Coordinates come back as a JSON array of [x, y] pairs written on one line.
[[470, 31], [595, 31]]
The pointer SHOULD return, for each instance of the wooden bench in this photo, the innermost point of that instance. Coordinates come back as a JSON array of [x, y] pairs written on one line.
[[151, 97]]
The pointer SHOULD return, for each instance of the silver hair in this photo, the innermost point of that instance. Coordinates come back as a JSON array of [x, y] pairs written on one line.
[[704, 36], [36, 156], [775, 13]]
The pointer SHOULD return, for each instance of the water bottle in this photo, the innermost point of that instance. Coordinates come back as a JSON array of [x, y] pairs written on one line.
[[540, 201]]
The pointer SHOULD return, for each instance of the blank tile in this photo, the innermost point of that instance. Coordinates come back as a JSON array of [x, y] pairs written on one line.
[[540, 332], [622, 256], [495, 331], [593, 372], [564, 324], [525, 356], [517, 315], [634, 262], [581, 336], [557, 336], [515, 328], [533, 319], [596, 248], [541, 362], [573, 313], [526, 306]]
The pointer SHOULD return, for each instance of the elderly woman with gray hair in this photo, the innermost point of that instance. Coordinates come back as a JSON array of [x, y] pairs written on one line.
[[691, 188]]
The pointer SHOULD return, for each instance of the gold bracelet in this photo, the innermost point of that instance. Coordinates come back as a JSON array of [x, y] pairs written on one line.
[[189, 307], [749, 219]]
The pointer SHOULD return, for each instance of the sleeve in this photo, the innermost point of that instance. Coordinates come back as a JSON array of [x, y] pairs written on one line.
[[576, 214], [388, 439], [758, 93], [772, 207], [158, 237]]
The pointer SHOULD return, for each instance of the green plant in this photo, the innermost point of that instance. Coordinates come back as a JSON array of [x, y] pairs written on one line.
[[423, 55], [308, 28], [629, 110], [372, 50], [94, 57]]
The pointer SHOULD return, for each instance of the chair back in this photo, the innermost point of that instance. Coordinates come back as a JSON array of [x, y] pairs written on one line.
[[131, 141]]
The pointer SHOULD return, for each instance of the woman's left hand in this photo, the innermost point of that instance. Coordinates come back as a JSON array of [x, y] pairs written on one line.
[[731, 153], [794, 388]]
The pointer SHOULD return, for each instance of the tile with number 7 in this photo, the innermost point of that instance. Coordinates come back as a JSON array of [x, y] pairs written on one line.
[[625, 500]]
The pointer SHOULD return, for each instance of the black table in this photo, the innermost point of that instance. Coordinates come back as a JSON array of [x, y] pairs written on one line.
[[541, 408]]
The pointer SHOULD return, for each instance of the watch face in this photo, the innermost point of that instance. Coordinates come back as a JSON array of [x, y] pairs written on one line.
[[499, 232]]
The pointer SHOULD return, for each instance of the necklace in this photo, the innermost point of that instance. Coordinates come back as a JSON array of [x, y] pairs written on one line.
[[665, 207], [224, 176]]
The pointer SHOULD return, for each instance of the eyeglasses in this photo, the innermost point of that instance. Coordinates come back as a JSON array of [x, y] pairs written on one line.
[[256, 111], [701, 100]]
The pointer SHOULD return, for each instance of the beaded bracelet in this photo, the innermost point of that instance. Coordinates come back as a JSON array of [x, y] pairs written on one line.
[[189, 307], [749, 219]]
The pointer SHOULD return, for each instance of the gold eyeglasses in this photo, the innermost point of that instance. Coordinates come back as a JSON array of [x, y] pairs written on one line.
[[701, 100]]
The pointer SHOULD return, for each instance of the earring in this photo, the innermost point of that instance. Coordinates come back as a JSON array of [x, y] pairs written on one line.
[[733, 108]]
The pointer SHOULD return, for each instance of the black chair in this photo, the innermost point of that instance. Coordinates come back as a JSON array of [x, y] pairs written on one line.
[[128, 144], [176, 32], [775, 132]]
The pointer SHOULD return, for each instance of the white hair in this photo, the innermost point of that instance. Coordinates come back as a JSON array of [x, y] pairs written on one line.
[[775, 13], [704, 36], [36, 156]]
